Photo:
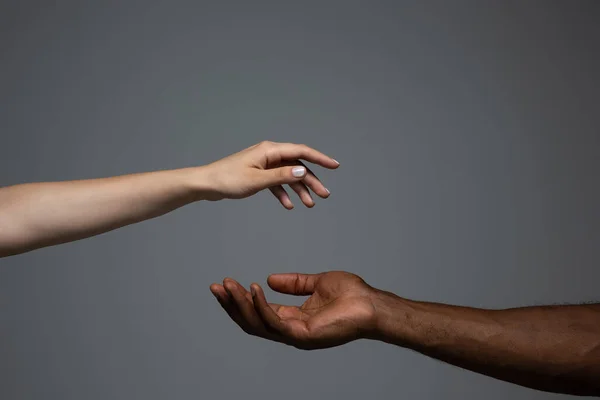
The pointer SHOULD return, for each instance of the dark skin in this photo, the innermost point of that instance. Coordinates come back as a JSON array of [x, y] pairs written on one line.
[[552, 348]]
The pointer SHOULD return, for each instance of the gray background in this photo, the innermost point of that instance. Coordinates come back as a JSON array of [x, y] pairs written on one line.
[[468, 137]]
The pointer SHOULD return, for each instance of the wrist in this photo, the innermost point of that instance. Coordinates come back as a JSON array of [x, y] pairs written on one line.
[[199, 183], [393, 318]]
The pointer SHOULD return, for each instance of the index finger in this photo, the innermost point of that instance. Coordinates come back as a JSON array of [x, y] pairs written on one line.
[[291, 151]]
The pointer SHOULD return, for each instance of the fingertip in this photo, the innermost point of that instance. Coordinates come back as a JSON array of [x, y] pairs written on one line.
[[322, 192], [271, 280], [288, 205], [228, 284], [307, 199], [219, 292], [333, 164]]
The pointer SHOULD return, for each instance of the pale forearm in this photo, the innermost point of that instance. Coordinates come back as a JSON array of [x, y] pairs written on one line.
[[42, 214], [548, 348]]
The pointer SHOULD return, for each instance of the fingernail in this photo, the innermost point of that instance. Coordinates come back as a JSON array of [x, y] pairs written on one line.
[[336, 161], [327, 190], [298, 172]]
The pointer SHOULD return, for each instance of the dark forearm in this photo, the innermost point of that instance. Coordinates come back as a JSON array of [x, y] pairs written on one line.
[[554, 348]]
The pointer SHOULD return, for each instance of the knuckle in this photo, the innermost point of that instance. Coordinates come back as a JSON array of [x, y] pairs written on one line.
[[266, 143], [297, 283], [304, 283], [300, 283]]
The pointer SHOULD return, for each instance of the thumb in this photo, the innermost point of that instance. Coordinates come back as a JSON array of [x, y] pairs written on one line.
[[293, 283], [282, 175]]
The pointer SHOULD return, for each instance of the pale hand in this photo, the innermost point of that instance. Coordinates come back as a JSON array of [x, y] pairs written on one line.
[[268, 165], [339, 309]]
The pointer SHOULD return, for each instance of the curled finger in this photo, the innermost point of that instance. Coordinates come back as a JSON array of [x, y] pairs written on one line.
[[229, 306], [280, 193], [303, 193], [290, 330], [314, 183]]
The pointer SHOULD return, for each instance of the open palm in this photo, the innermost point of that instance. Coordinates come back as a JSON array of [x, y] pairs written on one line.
[[338, 310]]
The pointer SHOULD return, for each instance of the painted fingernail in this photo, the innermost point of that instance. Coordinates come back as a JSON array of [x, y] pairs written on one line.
[[336, 161], [298, 172], [327, 190]]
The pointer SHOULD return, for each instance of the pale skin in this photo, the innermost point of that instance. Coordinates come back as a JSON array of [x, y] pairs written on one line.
[[549, 348], [37, 215]]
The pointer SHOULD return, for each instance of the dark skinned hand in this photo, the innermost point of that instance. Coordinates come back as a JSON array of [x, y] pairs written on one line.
[[339, 309]]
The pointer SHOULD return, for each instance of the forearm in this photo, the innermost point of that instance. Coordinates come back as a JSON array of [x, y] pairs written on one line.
[[43, 214], [554, 348]]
